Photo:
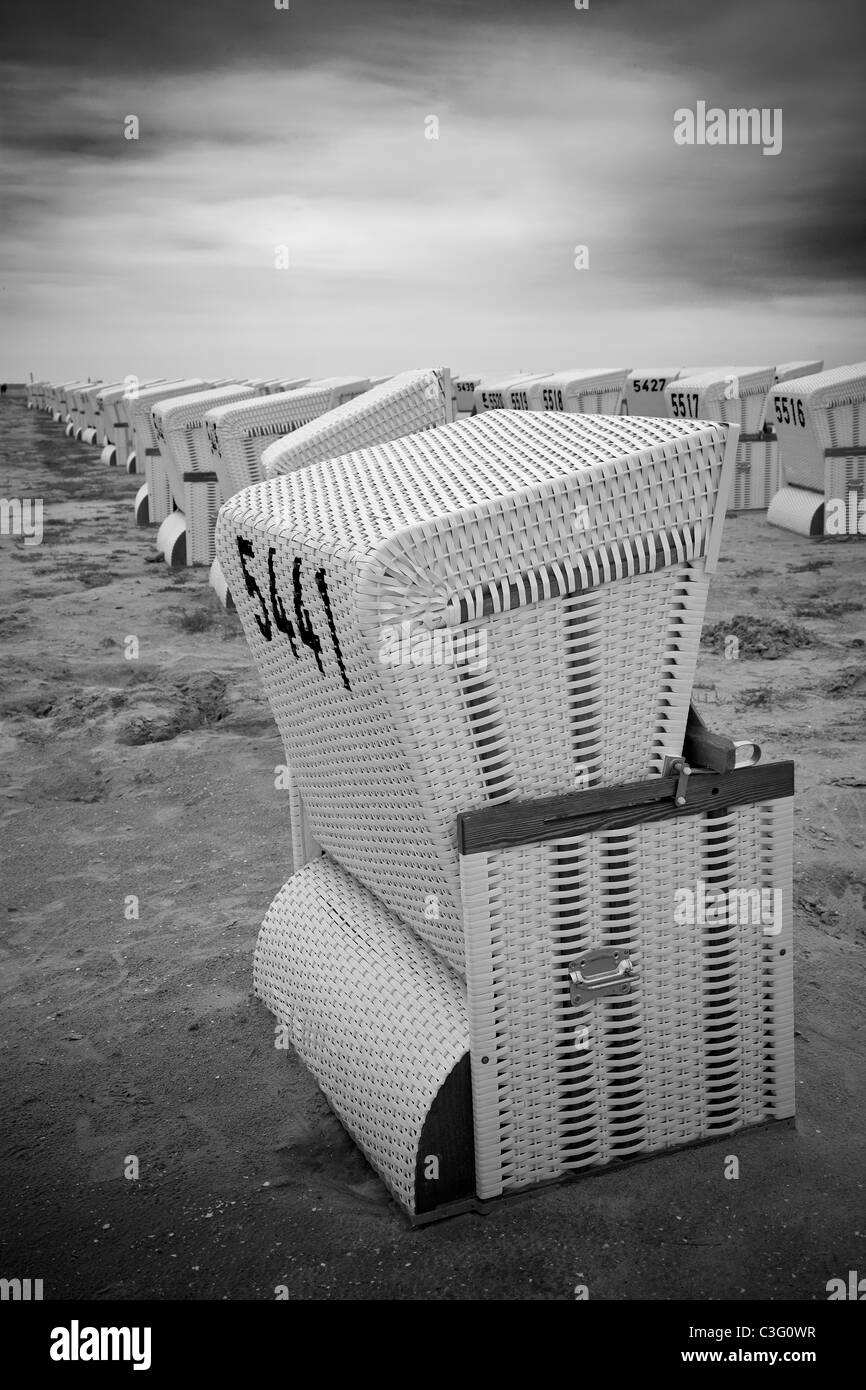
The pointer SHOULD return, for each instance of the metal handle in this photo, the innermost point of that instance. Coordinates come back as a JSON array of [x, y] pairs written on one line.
[[746, 753], [599, 973]]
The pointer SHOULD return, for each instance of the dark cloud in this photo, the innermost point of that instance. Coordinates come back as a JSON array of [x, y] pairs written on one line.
[[738, 40], [260, 125]]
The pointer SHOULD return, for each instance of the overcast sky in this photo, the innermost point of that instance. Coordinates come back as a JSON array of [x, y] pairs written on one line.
[[306, 128]]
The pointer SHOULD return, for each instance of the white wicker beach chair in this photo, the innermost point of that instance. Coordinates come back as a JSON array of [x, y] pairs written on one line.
[[737, 395], [465, 387], [479, 645], [89, 401], [84, 399], [405, 404], [58, 401], [114, 424], [649, 475], [239, 435], [62, 412], [186, 535], [645, 390], [516, 393], [821, 424], [582, 391], [107, 431], [67, 402], [788, 371], [153, 501], [73, 415]]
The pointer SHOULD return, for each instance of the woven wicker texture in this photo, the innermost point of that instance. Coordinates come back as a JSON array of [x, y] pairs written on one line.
[[285, 383], [788, 371], [844, 494], [180, 430], [797, 509], [239, 436], [756, 477], [415, 647], [145, 444], [735, 395], [114, 413], [581, 391], [377, 1019], [201, 503], [814, 413], [407, 404], [701, 1046]]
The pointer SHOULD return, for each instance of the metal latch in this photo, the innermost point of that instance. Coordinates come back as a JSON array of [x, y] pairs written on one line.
[[597, 973], [679, 768]]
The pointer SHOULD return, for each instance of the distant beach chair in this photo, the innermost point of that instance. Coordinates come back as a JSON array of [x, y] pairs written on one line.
[[79, 399], [492, 392], [153, 501], [479, 643], [90, 410], [821, 424], [186, 533], [787, 371], [581, 391], [114, 424], [645, 390], [405, 404], [465, 387], [61, 410], [68, 401], [239, 435], [736, 395]]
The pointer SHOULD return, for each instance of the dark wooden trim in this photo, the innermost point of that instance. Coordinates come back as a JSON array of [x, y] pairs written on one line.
[[841, 451], [152, 453], [200, 478], [448, 1135], [762, 437], [614, 808], [702, 747]]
